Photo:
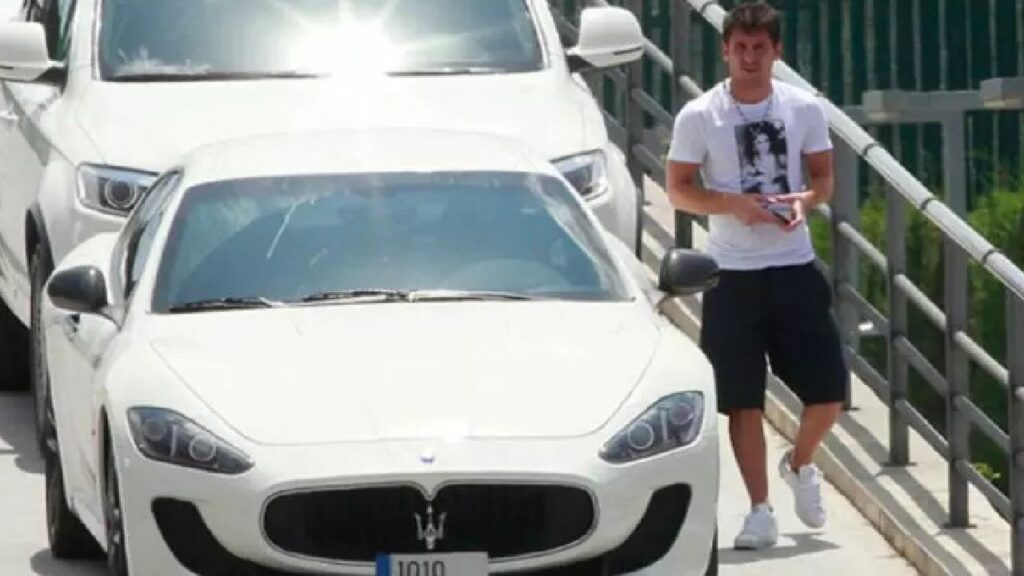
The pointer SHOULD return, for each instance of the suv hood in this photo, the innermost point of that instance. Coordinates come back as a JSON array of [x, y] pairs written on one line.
[[149, 126], [355, 373]]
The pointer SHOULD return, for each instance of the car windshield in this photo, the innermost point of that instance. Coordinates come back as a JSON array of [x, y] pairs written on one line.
[[144, 40], [381, 237]]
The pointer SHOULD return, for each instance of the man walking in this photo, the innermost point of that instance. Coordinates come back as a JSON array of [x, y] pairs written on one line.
[[750, 139]]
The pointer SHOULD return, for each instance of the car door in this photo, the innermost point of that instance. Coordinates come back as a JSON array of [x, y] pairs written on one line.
[[81, 341], [23, 147]]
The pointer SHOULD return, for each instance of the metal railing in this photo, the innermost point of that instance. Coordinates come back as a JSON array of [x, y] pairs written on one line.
[[637, 115]]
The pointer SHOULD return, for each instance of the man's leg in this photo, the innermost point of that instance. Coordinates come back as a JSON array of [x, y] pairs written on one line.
[[806, 353], [733, 338], [815, 424], [746, 432]]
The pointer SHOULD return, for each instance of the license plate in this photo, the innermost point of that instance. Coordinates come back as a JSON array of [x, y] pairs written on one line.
[[456, 564]]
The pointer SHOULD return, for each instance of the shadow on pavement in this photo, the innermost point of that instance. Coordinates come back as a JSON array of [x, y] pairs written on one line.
[[802, 544], [44, 564], [17, 432]]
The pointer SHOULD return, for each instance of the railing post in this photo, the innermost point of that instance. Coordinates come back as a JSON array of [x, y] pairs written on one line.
[[896, 254], [845, 205], [633, 113], [1015, 360], [681, 61], [955, 282]]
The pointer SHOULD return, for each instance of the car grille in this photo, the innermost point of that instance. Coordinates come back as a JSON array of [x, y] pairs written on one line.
[[357, 524]]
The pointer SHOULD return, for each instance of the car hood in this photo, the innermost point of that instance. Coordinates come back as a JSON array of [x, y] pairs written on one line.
[[149, 126], [408, 371]]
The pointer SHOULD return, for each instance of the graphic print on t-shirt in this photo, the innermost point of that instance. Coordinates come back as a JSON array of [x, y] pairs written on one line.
[[762, 151]]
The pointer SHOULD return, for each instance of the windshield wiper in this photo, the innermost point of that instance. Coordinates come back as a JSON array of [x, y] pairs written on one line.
[[228, 303], [367, 295], [448, 71], [157, 76], [455, 295]]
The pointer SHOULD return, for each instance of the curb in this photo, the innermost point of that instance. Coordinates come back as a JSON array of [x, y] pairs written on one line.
[[682, 313]]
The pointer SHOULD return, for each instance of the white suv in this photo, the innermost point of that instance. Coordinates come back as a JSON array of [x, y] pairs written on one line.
[[100, 95]]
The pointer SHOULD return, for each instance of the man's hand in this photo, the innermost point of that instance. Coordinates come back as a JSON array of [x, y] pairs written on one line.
[[750, 209], [798, 202]]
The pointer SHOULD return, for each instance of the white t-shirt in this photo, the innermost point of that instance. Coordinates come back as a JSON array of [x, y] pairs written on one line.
[[752, 148]]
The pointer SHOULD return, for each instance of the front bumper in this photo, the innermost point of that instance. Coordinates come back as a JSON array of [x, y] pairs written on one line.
[[652, 517]]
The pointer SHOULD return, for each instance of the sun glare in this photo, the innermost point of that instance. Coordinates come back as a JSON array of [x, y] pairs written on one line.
[[348, 49]]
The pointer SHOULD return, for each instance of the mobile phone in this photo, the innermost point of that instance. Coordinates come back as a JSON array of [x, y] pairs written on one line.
[[782, 211]]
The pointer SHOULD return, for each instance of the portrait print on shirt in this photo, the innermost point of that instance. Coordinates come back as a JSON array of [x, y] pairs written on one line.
[[762, 151]]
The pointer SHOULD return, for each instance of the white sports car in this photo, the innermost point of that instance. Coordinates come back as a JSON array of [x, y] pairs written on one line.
[[390, 352]]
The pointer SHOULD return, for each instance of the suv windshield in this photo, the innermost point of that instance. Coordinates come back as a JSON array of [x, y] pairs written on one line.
[[380, 238], [195, 39]]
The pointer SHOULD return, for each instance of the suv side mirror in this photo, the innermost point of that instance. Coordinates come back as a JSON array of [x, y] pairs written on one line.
[[80, 289], [609, 36], [685, 272], [23, 53]]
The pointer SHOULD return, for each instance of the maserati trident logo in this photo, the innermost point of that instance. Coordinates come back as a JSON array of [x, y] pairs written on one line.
[[430, 532]]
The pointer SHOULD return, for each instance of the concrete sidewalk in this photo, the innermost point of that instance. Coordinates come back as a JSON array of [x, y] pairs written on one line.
[[848, 540]]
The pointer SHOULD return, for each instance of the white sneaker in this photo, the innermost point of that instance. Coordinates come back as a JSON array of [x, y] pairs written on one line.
[[806, 486], [760, 530]]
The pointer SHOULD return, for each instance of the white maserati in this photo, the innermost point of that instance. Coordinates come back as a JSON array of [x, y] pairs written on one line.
[[390, 352]]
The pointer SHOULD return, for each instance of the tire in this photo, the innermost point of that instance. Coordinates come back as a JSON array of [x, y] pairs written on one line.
[[14, 359], [39, 270], [113, 519], [712, 569], [68, 538]]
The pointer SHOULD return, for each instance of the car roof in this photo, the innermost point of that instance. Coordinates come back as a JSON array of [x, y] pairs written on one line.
[[354, 151]]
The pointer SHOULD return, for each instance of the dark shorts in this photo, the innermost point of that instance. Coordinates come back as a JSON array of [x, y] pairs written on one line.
[[778, 315]]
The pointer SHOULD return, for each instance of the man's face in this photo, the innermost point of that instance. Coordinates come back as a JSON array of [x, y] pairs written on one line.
[[750, 55]]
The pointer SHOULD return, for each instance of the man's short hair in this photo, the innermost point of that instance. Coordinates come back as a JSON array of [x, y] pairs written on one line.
[[753, 17]]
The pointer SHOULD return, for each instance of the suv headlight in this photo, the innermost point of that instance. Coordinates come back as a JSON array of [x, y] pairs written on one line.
[[167, 436], [588, 173], [672, 422], [112, 190]]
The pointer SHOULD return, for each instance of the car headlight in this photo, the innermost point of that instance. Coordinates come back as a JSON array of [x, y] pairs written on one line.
[[588, 173], [112, 190], [672, 422], [170, 437]]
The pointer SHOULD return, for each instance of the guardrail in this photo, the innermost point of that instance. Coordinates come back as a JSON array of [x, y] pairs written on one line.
[[636, 114]]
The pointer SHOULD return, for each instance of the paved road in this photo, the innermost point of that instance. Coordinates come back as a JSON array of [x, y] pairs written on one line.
[[848, 543]]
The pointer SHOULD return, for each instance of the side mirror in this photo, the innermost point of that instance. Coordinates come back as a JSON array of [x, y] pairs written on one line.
[[81, 289], [685, 272], [609, 36], [23, 54]]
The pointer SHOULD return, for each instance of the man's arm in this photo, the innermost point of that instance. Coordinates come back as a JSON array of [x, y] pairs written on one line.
[[686, 195], [822, 180]]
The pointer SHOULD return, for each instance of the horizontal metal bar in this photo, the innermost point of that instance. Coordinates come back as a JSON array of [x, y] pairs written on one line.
[[982, 358], [997, 499], [861, 243], [894, 173], [910, 102], [690, 86], [921, 364], [651, 163], [923, 427], [854, 297], [983, 422], [867, 373], [652, 107], [918, 298]]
